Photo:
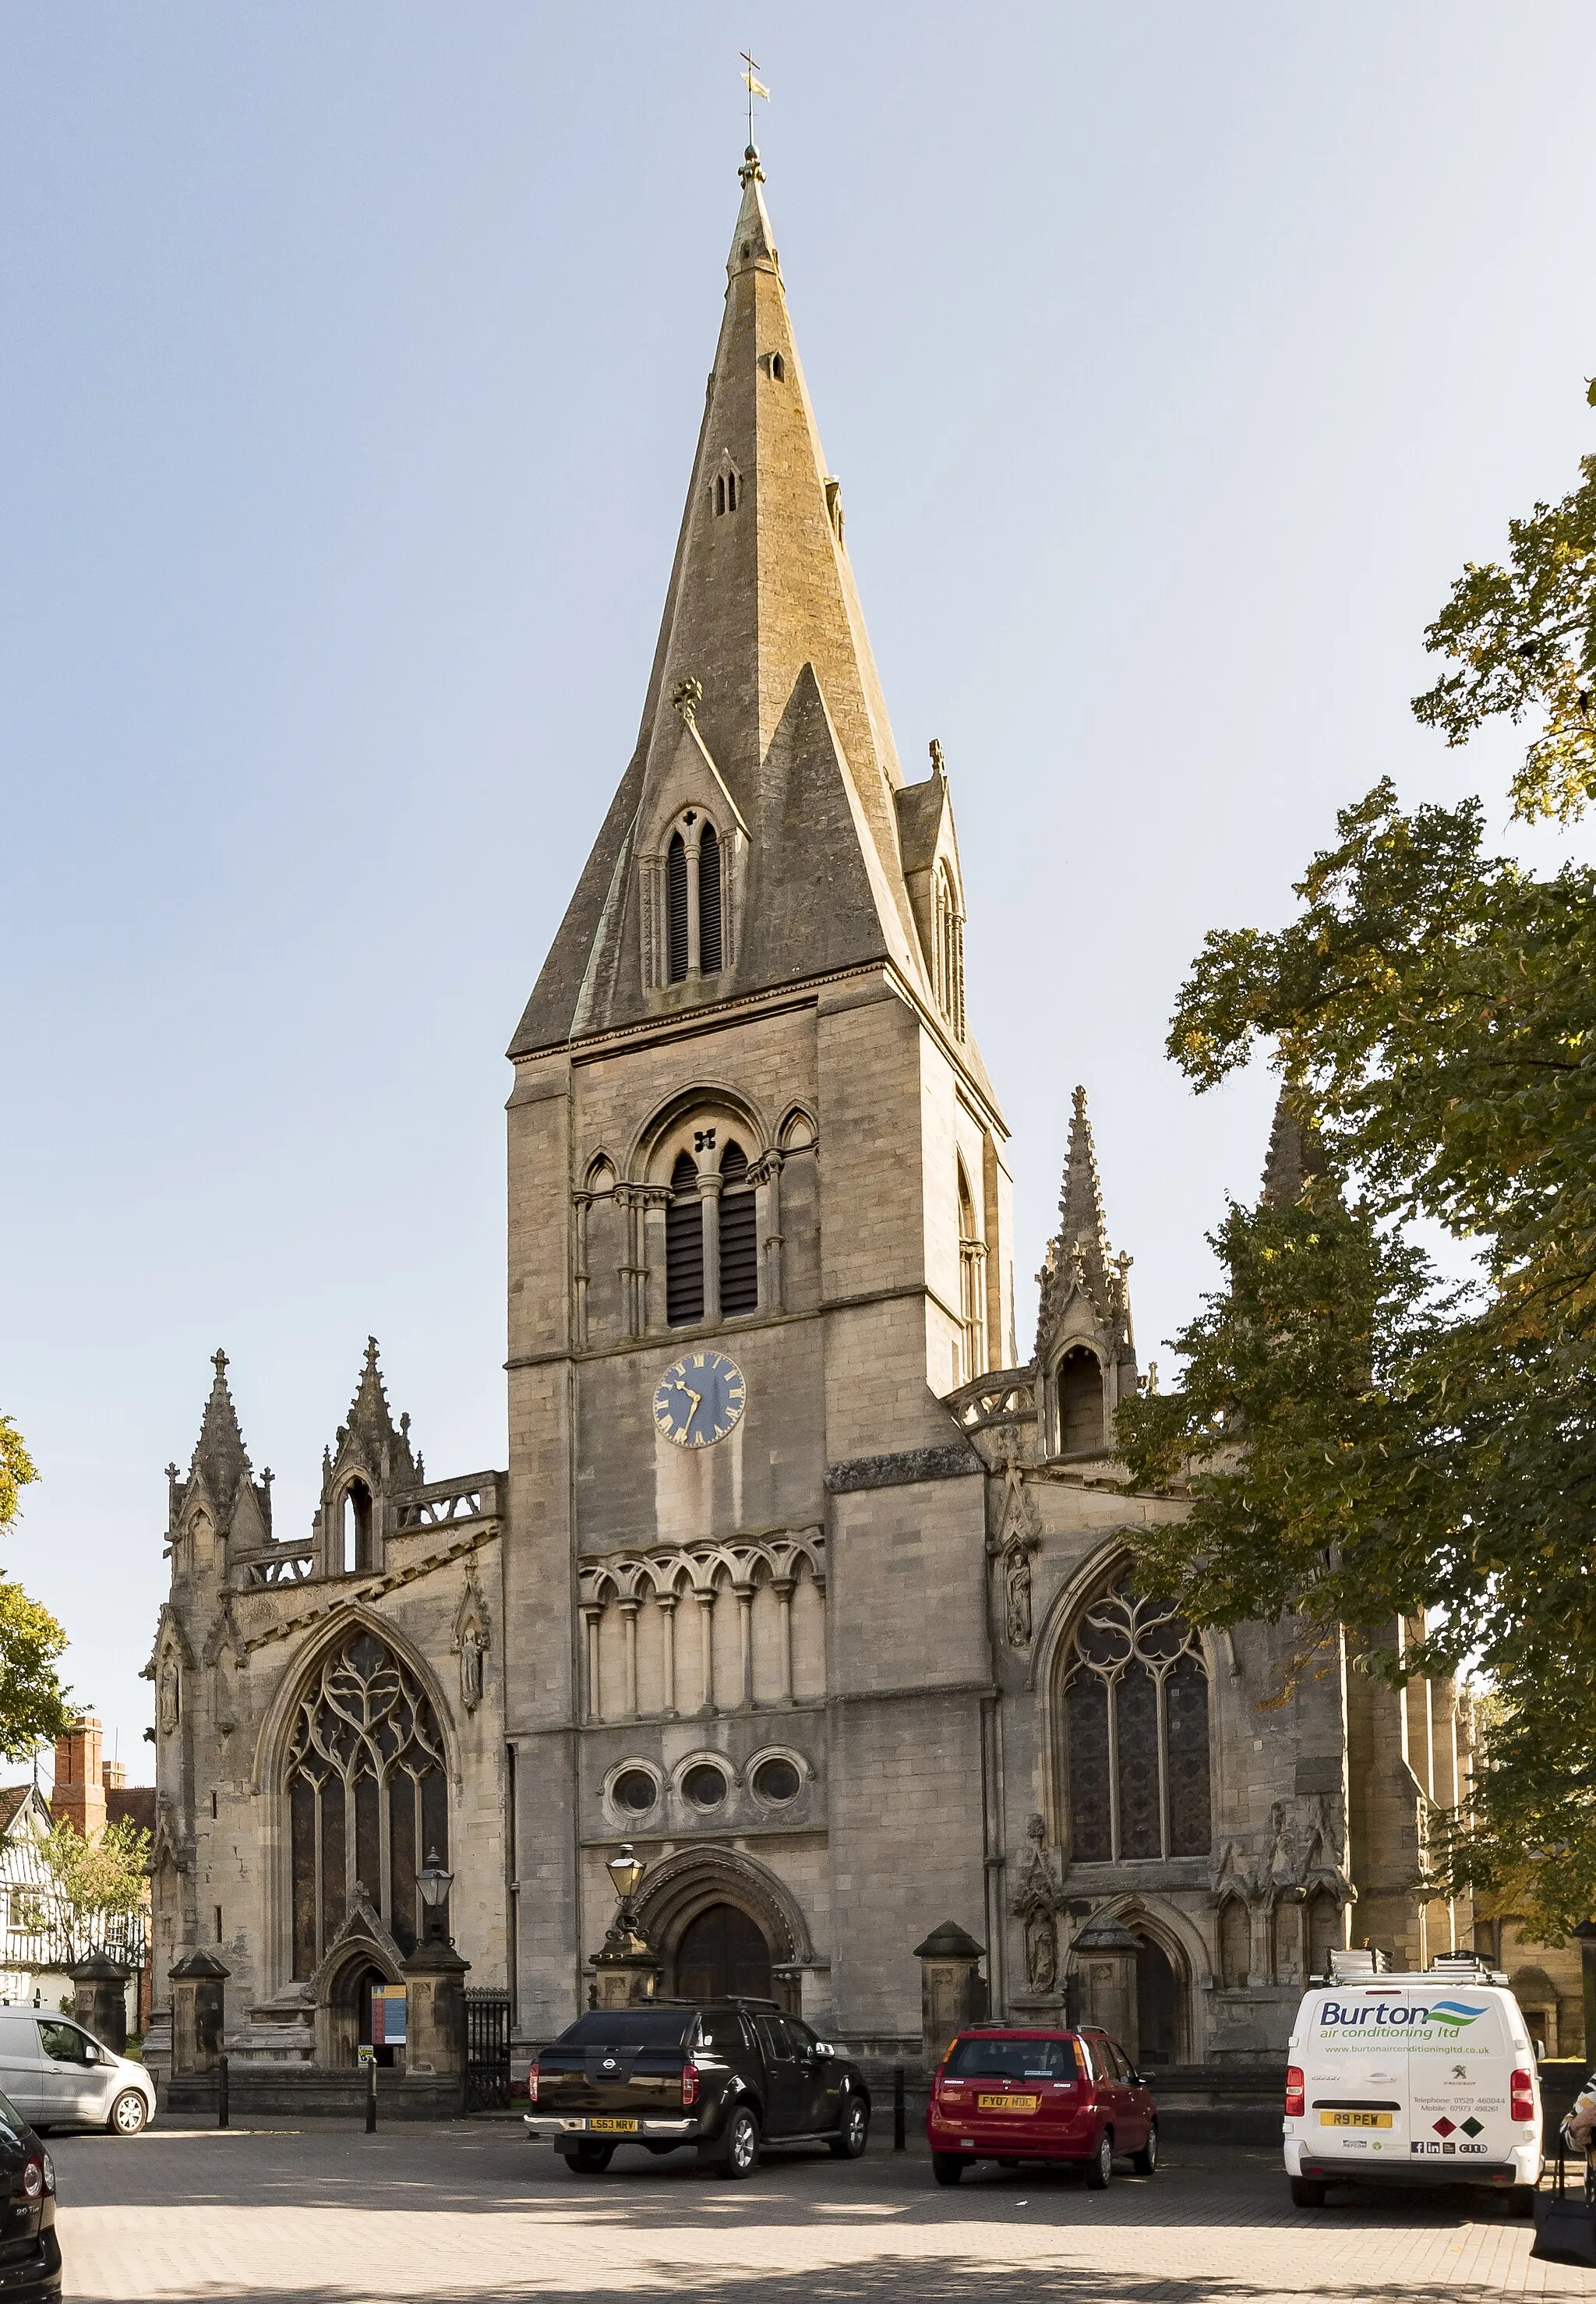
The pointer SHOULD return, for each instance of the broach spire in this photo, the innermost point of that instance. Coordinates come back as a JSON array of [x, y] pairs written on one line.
[[786, 755]]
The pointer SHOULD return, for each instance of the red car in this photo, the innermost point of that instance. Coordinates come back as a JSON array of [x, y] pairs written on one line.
[[1008, 2092]]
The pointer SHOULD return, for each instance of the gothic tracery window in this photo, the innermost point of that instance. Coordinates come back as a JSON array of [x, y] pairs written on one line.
[[1136, 1732], [368, 1796]]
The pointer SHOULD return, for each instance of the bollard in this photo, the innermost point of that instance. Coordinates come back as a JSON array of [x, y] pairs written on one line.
[[221, 2091], [371, 2098], [898, 2141]]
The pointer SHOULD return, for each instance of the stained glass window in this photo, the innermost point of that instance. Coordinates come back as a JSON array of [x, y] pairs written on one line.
[[1135, 1733], [367, 1796]]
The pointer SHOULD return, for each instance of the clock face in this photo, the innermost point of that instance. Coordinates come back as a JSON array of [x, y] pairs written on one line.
[[698, 1400]]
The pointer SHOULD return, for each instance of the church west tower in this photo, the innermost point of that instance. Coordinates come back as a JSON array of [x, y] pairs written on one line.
[[751, 1132]]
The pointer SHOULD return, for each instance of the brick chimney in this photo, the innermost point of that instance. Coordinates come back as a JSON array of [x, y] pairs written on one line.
[[114, 1776], [79, 1798]]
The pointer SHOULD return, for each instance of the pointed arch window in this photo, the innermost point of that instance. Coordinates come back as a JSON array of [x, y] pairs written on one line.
[[725, 490], [739, 1234], [676, 910], [972, 1282], [1134, 1729], [368, 1796], [1079, 1382], [709, 901], [947, 950], [684, 1246]]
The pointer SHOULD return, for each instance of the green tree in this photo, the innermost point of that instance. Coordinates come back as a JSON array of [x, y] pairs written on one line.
[[34, 1705], [1362, 1442], [94, 1880]]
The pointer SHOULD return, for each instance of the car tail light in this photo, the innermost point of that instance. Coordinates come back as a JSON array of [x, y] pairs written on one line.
[[49, 2169], [33, 2178], [532, 2082], [1521, 2096], [689, 2083], [1294, 2092]]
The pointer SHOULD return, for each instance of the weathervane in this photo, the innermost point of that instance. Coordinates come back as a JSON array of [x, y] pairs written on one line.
[[755, 85]]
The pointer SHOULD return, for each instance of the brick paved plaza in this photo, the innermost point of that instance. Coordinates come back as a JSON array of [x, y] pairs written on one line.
[[324, 2216]]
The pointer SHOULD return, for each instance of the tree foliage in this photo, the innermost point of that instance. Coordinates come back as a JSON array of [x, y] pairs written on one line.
[[34, 1705], [1525, 639], [17, 1472], [1362, 1442], [95, 1879]]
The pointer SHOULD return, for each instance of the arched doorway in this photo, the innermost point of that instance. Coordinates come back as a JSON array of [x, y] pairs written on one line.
[[1158, 2007], [722, 1952], [349, 2012]]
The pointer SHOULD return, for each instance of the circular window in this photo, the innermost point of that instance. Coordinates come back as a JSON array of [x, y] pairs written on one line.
[[705, 1786], [636, 1789], [777, 1781]]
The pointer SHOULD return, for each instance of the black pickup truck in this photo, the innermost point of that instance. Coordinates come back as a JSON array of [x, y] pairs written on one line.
[[727, 2078]]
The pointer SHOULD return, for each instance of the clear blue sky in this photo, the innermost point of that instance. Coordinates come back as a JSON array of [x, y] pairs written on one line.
[[1174, 358]]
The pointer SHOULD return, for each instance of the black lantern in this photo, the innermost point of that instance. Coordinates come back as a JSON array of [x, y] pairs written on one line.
[[435, 1885]]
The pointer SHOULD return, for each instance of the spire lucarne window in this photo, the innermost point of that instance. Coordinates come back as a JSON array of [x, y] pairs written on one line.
[[709, 903], [676, 908], [1136, 1732], [368, 1796]]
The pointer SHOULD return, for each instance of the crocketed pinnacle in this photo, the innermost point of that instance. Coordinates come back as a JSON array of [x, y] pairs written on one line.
[[1296, 1155], [220, 1458], [1083, 1229]]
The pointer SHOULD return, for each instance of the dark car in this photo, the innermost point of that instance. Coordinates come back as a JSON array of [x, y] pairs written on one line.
[[1021, 2092], [29, 2251], [726, 2077]]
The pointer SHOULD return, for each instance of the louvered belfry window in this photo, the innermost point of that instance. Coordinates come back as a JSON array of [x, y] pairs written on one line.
[[739, 1234], [1135, 1733], [709, 904], [684, 1246], [676, 910]]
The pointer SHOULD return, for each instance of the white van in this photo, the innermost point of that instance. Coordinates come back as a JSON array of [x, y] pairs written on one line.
[[1411, 2079], [60, 2076]]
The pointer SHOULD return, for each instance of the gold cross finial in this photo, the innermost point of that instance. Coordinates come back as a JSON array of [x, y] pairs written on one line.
[[755, 85]]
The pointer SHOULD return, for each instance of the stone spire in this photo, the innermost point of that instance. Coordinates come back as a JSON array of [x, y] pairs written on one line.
[[763, 699], [1296, 1155], [1086, 1287], [1083, 1229], [219, 1472], [371, 1440], [220, 1458]]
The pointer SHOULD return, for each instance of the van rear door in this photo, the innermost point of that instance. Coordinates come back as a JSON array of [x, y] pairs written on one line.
[[1356, 2080], [1461, 2059]]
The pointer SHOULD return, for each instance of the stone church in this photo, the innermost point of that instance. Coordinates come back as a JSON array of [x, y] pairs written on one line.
[[798, 1580]]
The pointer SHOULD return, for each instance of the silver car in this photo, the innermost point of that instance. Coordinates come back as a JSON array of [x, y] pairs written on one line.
[[60, 2076]]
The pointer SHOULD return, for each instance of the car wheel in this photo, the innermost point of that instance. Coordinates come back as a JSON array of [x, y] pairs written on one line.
[[947, 2167], [1521, 2199], [129, 2114], [740, 2154], [1307, 2193], [853, 2132], [589, 2159], [1145, 2161], [1100, 2175]]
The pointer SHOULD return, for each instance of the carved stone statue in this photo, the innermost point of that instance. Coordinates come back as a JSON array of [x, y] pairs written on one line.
[[1018, 1538], [472, 1648], [1042, 1954], [1017, 1581], [168, 1696]]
